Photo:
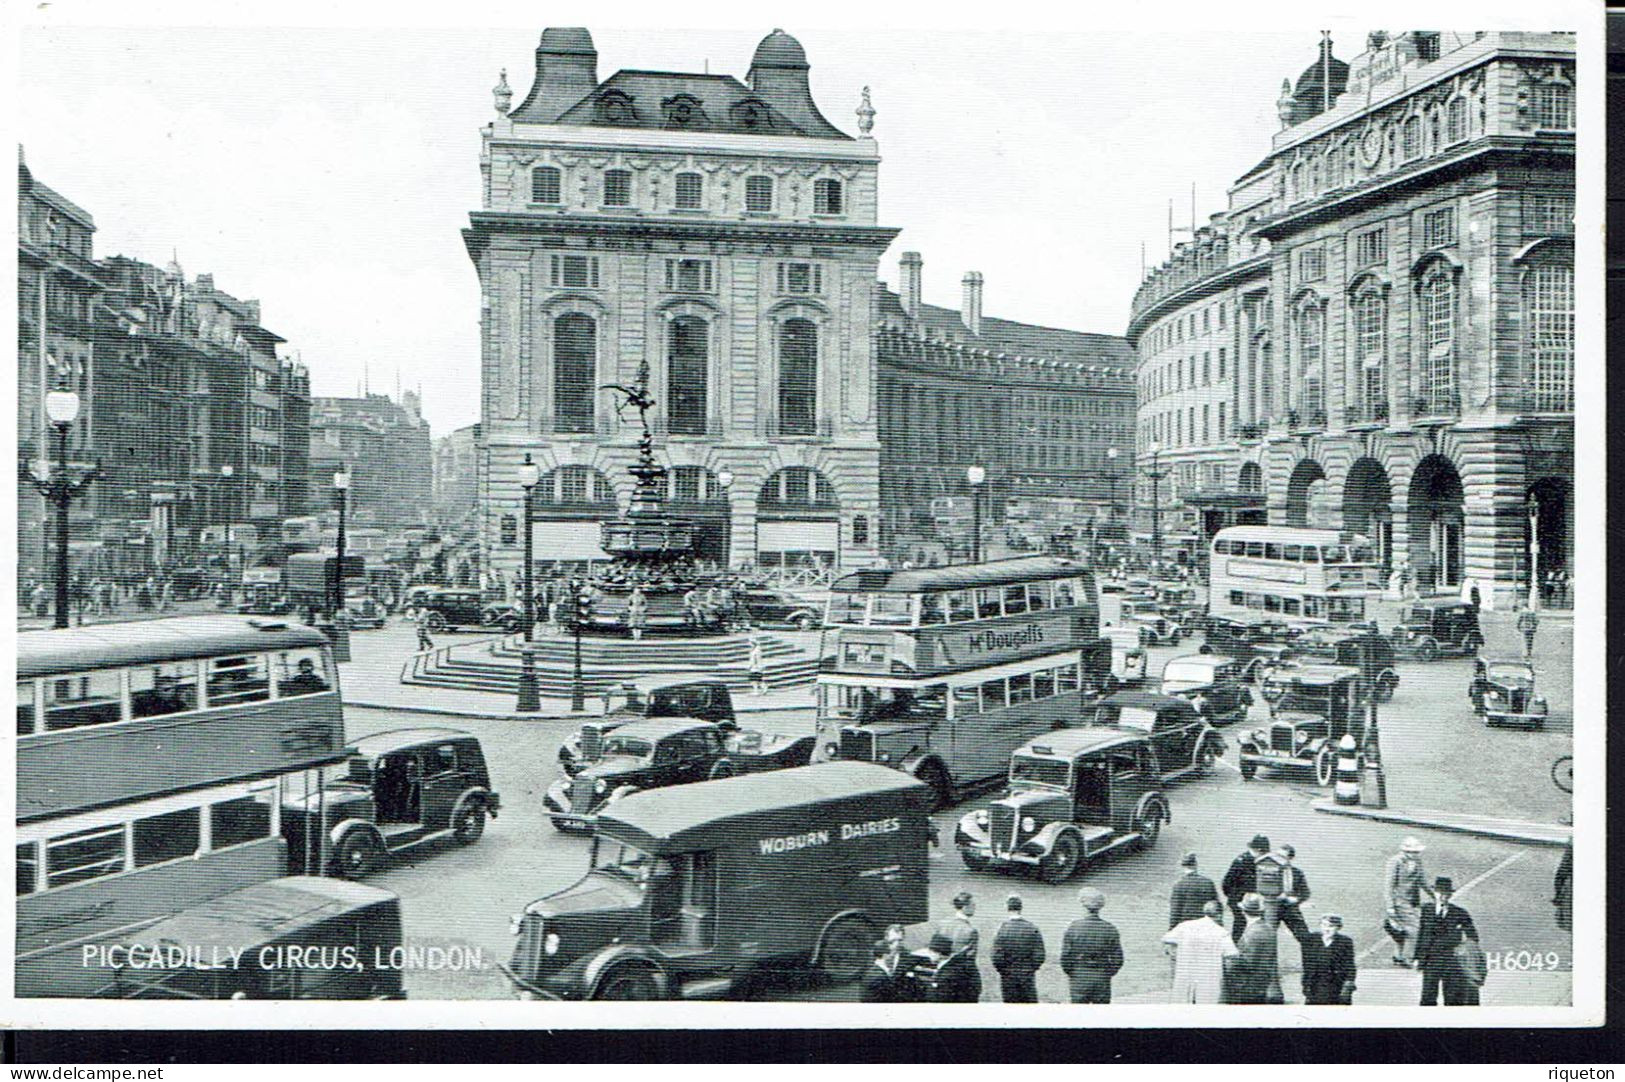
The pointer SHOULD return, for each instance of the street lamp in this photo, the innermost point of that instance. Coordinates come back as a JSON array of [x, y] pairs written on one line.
[[1111, 479], [976, 475], [725, 478], [227, 471], [1156, 476], [529, 695], [341, 491], [1534, 553], [61, 409]]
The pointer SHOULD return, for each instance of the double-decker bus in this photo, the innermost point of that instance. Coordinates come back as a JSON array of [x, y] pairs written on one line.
[[153, 758], [1298, 576], [944, 672]]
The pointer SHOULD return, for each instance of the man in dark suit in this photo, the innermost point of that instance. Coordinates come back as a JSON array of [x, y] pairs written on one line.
[[1191, 892], [1092, 952], [1294, 892], [1444, 926], [1018, 952], [1242, 880], [882, 980], [1328, 964]]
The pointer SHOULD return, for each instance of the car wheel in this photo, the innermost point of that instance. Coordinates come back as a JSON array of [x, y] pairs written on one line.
[[1248, 769], [1062, 862], [976, 862], [437, 622], [470, 824], [1325, 764], [846, 949], [1149, 827], [629, 982], [1204, 649], [1205, 758], [722, 768], [357, 856], [1427, 651]]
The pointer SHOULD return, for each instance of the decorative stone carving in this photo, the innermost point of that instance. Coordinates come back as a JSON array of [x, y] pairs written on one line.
[[866, 115], [502, 93]]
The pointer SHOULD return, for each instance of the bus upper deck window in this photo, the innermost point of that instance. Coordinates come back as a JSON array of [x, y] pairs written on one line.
[[25, 707], [967, 701], [241, 679], [987, 602], [301, 672], [1065, 593], [1311, 554], [1038, 595], [1255, 550], [891, 609], [1272, 550], [961, 605], [1289, 606], [933, 609], [156, 690], [93, 698], [993, 695], [1015, 600], [1336, 554], [1292, 553]]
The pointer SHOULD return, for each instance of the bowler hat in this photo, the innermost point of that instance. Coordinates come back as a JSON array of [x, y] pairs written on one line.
[[1261, 842], [1252, 903], [1092, 899], [1411, 845], [1188, 860], [1444, 883], [1333, 918]]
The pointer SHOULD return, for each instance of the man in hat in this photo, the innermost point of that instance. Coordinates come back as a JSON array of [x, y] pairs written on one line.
[[1241, 880], [1092, 952], [1191, 893], [1200, 947], [1018, 951], [1443, 927], [1254, 978], [955, 942], [1328, 964], [1404, 884]]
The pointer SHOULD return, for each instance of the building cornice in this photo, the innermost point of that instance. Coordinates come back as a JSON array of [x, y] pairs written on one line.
[[484, 224], [522, 136], [1253, 267]]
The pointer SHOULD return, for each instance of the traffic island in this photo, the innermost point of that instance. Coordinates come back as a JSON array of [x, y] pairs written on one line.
[[1483, 826]]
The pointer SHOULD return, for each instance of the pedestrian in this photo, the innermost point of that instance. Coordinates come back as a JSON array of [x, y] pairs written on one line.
[[1191, 893], [1091, 952], [1018, 952], [1328, 965], [955, 942], [758, 679], [1200, 946], [1404, 883], [425, 643], [1294, 892], [1528, 622], [691, 607], [1254, 978], [637, 612], [881, 980], [1241, 880], [1445, 929]]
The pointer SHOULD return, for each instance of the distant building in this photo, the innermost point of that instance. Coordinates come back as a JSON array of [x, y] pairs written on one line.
[[1040, 409], [385, 445], [1392, 289], [456, 475]]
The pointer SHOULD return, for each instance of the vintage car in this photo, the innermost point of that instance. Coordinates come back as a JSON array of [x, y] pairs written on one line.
[[1073, 795], [1213, 683], [365, 613], [769, 608], [396, 790], [265, 601], [1503, 693], [1437, 626], [652, 754], [452, 609], [699, 700], [1128, 656], [1311, 707], [1259, 646], [1182, 741], [1363, 647], [1155, 628]]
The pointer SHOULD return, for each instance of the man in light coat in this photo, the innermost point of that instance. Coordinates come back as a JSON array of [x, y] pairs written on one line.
[[1200, 947], [1404, 884]]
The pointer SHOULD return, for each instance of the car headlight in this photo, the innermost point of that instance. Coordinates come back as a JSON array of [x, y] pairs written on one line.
[[884, 757], [832, 749], [515, 923], [602, 786], [551, 943], [980, 817], [1299, 739], [1260, 736], [1028, 824]]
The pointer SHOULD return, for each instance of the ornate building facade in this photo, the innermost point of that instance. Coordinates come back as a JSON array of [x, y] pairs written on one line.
[[722, 232], [1397, 278]]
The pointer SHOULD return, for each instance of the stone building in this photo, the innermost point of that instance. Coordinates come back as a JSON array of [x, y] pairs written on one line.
[[1398, 281], [723, 233], [1039, 408], [456, 475], [385, 446]]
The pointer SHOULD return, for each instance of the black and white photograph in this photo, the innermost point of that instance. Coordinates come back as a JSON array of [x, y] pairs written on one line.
[[1078, 523]]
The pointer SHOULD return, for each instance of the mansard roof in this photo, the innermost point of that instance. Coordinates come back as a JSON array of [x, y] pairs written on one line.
[[1027, 340]]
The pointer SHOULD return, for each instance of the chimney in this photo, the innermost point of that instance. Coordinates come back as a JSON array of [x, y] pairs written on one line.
[[910, 265], [971, 311], [252, 309]]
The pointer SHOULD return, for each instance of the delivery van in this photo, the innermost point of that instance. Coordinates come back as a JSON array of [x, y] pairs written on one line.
[[691, 889]]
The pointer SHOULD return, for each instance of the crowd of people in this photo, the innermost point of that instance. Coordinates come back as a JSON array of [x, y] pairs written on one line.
[[1263, 890], [95, 595]]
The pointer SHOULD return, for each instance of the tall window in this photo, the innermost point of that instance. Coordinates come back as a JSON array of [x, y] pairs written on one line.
[[544, 185], [1370, 247], [1370, 318], [1311, 335], [1549, 304], [1551, 106], [1439, 227], [826, 197], [689, 276], [687, 362], [1411, 144], [573, 271], [1266, 381], [690, 191], [1221, 420], [1455, 126], [617, 188], [798, 378], [759, 194], [575, 371], [1438, 311], [1548, 214]]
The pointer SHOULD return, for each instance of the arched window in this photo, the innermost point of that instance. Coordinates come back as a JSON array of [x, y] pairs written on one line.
[[759, 194], [687, 367], [827, 197], [1370, 355], [690, 191], [1548, 298], [544, 185], [575, 372], [798, 378], [1311, 335], [1437, 299]]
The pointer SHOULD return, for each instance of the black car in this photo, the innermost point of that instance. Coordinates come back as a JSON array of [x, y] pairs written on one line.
[[657, 753], [398, 789], [451, 609], [697, 700], [1212, 682], [1181, 739], [1437, 626], [1363, 648], [771, 608], [1258, 646]]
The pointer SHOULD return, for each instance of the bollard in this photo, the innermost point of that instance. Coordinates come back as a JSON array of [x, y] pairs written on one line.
[[1347, 790]]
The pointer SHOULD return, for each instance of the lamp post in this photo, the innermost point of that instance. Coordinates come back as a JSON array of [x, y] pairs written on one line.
[[529, 696], [725, 478], [1534, 553], [1111, 479], [976, 475], [227, 471], [341, 492], [1156, 476], [61, 409]]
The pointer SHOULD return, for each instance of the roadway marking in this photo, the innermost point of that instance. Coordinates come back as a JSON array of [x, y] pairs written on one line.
[[1465, 887]]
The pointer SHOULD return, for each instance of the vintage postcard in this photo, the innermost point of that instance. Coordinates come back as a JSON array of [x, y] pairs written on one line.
[[1078, 521]]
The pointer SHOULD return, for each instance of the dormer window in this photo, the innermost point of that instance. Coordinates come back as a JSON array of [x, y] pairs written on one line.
[[690, 191], [826, 197], [759, 195], [615, 107], [545, 186], [682, 111], [617, 187], [749, 113]]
